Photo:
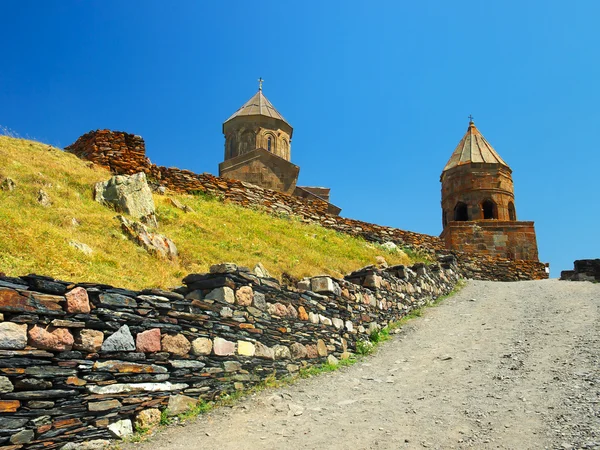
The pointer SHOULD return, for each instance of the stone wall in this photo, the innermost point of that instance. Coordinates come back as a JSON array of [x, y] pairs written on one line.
[[124, 154], [584, 270], [82, 361], [503, 238], [480, 267]]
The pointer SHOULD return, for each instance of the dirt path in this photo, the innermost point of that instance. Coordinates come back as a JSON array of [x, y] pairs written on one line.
[[500, 365]]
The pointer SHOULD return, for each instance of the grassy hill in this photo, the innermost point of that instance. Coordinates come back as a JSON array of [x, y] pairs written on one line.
[[35, 238]]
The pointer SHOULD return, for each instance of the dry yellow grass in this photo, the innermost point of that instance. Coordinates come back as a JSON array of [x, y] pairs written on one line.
[[35, 239]]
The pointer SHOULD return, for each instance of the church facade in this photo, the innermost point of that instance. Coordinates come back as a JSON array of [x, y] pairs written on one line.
[[478, 203]]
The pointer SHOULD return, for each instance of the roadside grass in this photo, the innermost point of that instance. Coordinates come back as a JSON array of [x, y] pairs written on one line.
[[35, 239], [363, 349]]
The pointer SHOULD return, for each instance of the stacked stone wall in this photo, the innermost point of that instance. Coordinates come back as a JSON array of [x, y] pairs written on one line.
[[584, 270], [494, 268], [124, 154], [82, 361]]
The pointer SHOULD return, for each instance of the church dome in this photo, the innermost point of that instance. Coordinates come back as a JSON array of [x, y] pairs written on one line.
[[474, 148]]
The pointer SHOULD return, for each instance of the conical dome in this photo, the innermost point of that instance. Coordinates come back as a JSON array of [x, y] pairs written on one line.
[[258, 105], [474, 148]]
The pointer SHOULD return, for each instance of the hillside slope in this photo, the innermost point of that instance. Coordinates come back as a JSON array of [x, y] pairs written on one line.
[[35, 238]]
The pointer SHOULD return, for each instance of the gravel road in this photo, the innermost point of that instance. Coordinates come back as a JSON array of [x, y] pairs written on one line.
[[499, 365]]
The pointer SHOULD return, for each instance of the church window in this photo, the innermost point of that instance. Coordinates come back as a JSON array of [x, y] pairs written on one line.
[[512, 214], [489, 210], [269, 143], [461, 212]]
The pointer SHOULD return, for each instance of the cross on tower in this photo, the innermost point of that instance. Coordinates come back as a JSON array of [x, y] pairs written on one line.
[[471, 118], [260, 82]]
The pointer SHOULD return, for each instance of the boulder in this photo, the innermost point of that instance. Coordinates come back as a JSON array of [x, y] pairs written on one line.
[[44, 199], [129, 194], [121, 429], [154, 243], [179, 404], [7, 184]]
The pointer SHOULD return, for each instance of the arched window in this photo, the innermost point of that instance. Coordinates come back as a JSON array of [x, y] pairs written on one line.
[[489, 210], [461, 212], [512, 214], [269, 140]]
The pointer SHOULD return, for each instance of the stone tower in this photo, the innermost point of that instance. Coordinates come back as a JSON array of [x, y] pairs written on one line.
[[478, 203], [258, 146]]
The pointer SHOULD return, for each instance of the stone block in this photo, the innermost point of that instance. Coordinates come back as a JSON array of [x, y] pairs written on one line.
[[148, 341], [201, 346], [298, 351], [104, 406], [147, 419], [259, 301], [245, 348], [120, 341], [311, 351], [22, 437], [314, 318], [78, 301], [50, 338], [223, 347], [178, 404], [121, 429], [332, 360], [325, 320], [291, 312], [13, 336], [322, 348], [262, 351], [322, 285], [5, 385], [232, 366], [281, 352], [302, 315], [337, 323], [223, 268], [176, 344], [222, 294], [88, 340], [244, 296], [303, 285]]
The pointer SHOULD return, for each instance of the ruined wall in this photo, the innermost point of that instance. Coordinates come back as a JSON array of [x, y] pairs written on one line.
[[109, 149], [506, 239], [584, 270], [81, 361]]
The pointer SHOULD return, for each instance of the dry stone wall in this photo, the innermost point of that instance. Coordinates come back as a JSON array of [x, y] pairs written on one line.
[[83, 361]]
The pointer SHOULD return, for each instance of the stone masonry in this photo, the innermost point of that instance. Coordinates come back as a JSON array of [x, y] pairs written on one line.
[[80, 362]]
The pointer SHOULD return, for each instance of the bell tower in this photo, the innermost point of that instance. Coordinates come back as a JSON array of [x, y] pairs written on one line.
[[258, 146], [478, 202]]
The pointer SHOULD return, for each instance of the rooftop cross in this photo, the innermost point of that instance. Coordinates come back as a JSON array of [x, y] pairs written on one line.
[[260, 82], [471, 118]]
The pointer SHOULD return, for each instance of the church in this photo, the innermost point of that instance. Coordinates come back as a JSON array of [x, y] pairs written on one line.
[[478, 203], [258, 142]]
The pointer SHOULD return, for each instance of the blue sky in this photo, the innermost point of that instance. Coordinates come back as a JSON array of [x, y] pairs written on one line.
[[378, 93]]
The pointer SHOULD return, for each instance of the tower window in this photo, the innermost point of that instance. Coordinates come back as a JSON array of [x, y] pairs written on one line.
[[461, 212], [512, 214], [489, 210], [269, 143]]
